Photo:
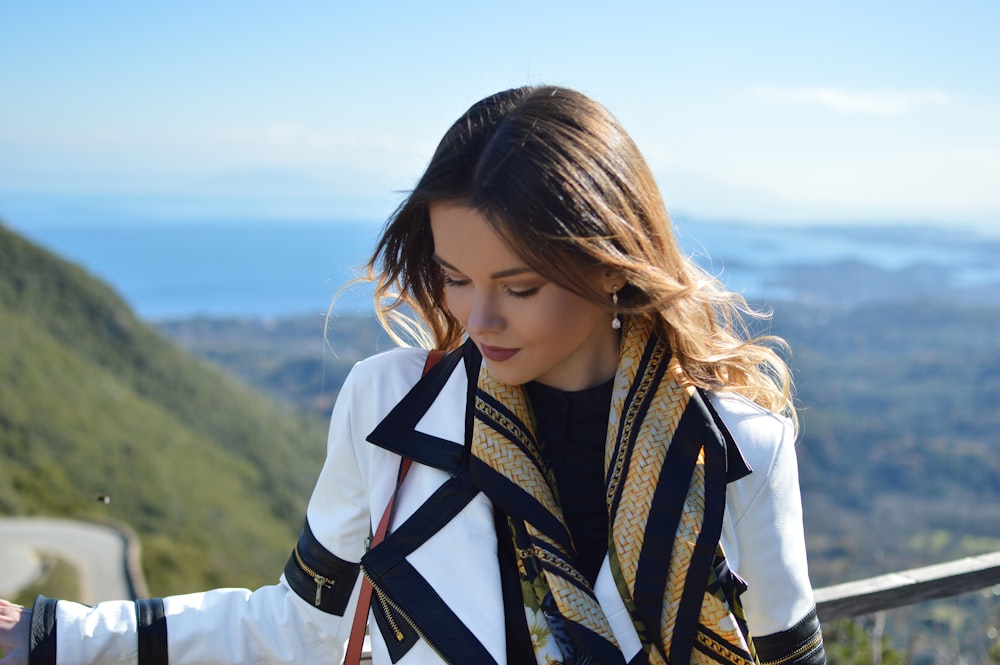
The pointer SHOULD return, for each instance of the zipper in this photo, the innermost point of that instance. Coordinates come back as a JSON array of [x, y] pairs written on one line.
[[320, 581], [388, 603], [384, 602], [804, 649]]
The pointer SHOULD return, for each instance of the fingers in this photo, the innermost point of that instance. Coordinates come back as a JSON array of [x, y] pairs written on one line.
[[14, 625], [10, 617], [7, 605]]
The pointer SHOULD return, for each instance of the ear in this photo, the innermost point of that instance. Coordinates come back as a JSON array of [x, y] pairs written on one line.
[[612, 280]]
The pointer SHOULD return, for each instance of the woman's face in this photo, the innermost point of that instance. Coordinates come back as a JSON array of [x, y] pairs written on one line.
[[527, 328]]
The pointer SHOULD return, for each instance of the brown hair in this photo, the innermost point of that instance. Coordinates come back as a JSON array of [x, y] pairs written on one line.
[[563, 184]]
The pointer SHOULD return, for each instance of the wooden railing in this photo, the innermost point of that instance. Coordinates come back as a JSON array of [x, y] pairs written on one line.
[[907, 587]]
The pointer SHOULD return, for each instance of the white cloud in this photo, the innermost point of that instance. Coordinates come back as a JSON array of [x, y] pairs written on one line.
[[884, 102]]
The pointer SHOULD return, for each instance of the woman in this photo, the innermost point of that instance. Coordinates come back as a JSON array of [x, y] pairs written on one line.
[[599, 461]]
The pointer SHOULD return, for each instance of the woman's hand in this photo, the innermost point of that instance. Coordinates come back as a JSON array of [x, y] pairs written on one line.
[[14, 625]]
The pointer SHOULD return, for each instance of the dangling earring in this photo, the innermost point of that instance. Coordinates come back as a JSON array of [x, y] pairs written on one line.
[[616, 323]]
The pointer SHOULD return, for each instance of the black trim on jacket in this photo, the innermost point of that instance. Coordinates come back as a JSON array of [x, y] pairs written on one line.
[[400, 592], [397, 432], [737, 466], [802, 644], [151, 625], [318, 576], [42, 632]]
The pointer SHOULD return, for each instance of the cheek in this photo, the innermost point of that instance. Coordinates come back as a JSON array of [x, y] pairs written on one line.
[[562, 320], [456, 303]]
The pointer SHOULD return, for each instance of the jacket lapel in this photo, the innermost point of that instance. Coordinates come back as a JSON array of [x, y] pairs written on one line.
[[424, 425], [436, 569]]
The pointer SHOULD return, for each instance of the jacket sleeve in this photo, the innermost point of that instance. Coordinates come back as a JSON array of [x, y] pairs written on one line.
[[271, 624], [764, 538]]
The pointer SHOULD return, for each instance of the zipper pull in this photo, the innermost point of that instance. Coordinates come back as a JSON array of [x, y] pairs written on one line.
[[320, 583], [384, 602]]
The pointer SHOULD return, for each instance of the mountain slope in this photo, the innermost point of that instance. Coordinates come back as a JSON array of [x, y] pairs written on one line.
[[212, 475]]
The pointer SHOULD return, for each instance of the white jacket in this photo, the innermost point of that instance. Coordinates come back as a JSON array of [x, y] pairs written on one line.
[[442, 543]]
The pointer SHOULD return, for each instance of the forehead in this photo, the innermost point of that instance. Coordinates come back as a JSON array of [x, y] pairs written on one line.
[[465, 239]]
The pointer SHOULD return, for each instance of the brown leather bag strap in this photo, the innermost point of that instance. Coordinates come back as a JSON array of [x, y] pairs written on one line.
[[354, 644], [433, 356], [357, 639]]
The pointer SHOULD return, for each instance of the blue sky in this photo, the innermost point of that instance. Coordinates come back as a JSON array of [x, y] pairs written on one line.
[[795, 113]]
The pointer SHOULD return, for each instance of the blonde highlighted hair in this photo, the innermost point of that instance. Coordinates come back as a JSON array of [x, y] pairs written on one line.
[[564, 185]]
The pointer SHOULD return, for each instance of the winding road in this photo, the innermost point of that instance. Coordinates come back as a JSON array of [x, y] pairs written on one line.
[[98, 552]]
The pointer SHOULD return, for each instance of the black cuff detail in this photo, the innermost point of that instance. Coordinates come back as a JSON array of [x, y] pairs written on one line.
[[802, 644], [42, 635], [151, 622], [318, 576]]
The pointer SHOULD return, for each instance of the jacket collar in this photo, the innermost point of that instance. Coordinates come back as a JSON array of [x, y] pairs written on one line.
[[423, 426]]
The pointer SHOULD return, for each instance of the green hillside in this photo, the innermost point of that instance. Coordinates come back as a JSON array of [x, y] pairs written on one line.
[[213, 475]]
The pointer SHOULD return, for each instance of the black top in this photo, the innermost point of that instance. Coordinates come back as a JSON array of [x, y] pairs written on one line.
[[572, 428]]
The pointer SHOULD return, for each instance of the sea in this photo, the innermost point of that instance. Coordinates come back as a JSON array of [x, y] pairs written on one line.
[[271, 268]]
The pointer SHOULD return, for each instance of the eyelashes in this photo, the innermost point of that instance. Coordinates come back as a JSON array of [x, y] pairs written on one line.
[[450, 281], [527, 293]]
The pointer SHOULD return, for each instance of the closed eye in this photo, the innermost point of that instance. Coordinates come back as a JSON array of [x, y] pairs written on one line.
[[525, 293]]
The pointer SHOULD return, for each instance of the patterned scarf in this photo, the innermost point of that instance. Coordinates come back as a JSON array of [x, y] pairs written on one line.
[[665, 464]]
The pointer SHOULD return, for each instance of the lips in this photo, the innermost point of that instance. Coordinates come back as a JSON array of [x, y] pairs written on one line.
[[497, 353]]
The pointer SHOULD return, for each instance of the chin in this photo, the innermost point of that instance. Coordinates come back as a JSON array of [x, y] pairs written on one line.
[[509, 375]]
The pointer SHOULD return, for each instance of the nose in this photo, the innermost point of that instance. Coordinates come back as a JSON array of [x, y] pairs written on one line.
[[484, 315]]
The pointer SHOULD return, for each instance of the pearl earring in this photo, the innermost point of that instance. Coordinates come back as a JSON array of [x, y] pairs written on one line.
[[616, 323]]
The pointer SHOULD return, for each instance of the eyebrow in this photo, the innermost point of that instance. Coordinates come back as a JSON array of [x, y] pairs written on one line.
[[510, 272]]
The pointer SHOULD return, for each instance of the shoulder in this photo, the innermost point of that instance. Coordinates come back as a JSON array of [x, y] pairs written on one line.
[[394, 361], [767, 442], [376, 383], [760, 434]]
